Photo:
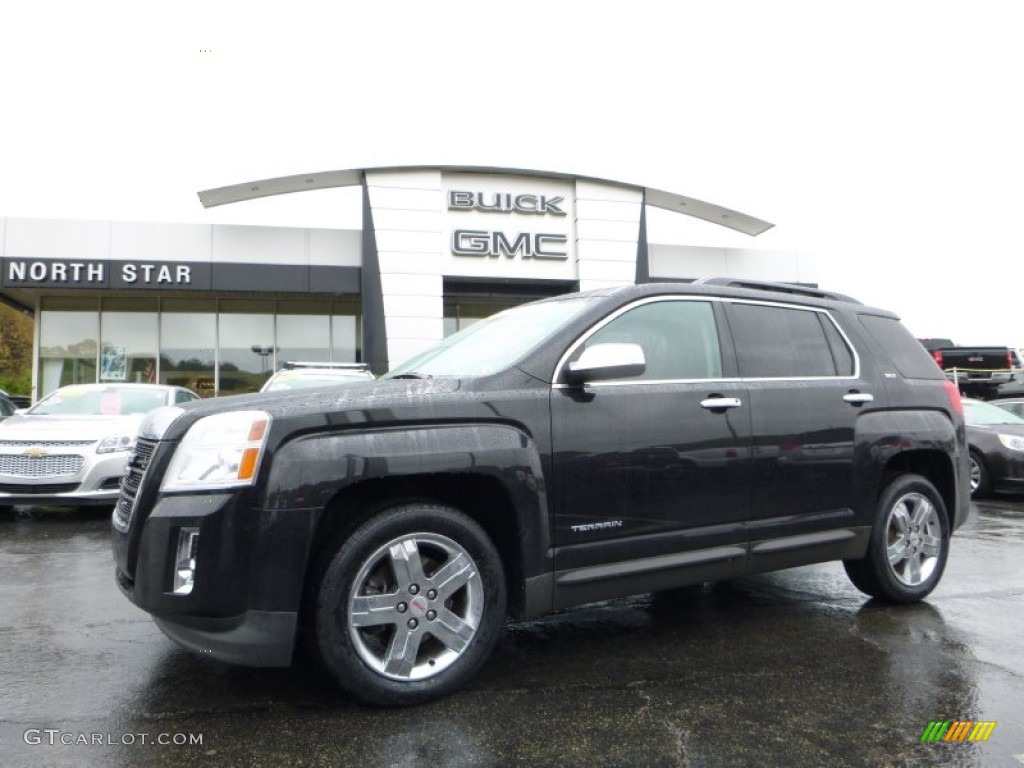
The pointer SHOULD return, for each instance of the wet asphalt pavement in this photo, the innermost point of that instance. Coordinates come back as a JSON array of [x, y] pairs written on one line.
[[793, 668]]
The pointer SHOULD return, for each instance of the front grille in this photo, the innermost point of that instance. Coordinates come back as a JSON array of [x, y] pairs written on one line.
[[33, 490], [136, 471], [40, 466]]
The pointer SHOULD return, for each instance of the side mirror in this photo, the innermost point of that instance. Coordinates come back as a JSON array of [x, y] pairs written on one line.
[[603, 362]]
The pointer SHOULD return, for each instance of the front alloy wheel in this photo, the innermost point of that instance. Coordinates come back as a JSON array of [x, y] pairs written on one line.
[[410, 605], [415, 606]]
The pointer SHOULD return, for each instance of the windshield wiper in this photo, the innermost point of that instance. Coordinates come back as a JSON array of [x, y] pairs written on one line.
[[411, 375]]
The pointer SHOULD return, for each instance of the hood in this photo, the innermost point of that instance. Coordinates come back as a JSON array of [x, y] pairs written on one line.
[[45, 428], [381, 400]]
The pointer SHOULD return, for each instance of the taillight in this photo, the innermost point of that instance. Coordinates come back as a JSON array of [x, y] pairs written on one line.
[[954, 397], [937, 357], [1009, 358]]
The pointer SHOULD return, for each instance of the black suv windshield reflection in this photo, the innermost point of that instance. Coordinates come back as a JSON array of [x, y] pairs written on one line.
[[493, 344]]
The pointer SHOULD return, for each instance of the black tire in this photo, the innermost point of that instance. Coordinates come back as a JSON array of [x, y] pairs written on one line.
[[981, 481], [418, 577], [909, 543]]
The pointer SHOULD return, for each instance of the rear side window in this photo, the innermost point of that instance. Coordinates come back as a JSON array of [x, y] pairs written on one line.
[[784, 342], [903, 350]]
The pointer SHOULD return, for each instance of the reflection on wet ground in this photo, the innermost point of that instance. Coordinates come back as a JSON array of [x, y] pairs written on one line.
[[793, 668]]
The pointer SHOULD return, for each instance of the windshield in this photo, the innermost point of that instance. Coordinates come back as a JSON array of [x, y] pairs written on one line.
[[495, 343], [979, 414], [99, 401]]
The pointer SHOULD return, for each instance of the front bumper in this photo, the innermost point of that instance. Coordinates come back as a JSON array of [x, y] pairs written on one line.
[[254, 639], [249, 571]]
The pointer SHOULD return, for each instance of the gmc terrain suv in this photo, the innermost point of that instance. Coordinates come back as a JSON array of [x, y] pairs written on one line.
[[570, 450]]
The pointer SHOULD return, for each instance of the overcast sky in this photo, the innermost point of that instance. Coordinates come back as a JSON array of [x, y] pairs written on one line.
[[886, 138]]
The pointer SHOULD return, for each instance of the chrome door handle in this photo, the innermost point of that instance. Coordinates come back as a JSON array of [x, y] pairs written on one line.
[[858, 398], [714, 403]]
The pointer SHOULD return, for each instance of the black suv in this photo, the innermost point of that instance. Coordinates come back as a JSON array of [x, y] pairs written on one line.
[[565, 451]]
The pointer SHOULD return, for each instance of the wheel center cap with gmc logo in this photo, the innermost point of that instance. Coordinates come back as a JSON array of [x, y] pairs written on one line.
[[419, 605]]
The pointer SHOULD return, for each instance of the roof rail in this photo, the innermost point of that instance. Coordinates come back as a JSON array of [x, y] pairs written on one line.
[[790, 288], [291, 365]]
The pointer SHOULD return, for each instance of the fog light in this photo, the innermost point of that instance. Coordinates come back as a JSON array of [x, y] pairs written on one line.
[[185, 560]]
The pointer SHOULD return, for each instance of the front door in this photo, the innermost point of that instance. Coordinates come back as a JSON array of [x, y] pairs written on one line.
[[650, 476]]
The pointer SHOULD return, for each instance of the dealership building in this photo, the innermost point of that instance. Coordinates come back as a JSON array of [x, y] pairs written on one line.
[[217, 308]]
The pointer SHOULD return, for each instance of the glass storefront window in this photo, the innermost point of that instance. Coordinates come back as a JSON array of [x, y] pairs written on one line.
[[461, 313], [188, 339], [303, 332], [246, 336], [211, 346], [128, 340], [68, 348], [346, 332]]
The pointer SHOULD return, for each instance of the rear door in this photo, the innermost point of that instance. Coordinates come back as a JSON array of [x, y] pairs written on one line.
[[805, 391]]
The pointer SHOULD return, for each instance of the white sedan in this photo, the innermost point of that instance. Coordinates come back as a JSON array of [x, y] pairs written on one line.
[[70, 448]]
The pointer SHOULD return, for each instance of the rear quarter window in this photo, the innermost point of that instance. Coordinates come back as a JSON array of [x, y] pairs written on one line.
[[905, 352]]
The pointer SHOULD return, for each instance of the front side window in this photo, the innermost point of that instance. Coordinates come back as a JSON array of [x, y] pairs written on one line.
[[785, 342], [679, 339]]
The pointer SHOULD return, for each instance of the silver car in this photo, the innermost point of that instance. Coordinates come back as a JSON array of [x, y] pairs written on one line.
[[70, 448]]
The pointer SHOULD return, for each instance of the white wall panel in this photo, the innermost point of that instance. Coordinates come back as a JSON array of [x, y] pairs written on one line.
[[57, 239], [131, 241], [408, 263], [607, 250], [336, 247], [259, 245], [405, 220], [596, 190], [412, 306], [609, 211], [394, 240], [383, 198], [623, 272], [412, 285], [597, 229]]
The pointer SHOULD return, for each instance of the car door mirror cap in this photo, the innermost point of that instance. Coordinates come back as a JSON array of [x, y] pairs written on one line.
[[602, 362]]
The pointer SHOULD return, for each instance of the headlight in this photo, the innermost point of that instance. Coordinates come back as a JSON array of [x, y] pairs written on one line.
[[1013, 442], [219, 451], [115, 443]]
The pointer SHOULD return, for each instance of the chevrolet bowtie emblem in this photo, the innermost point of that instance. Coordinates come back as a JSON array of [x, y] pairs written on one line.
[[35, 452]]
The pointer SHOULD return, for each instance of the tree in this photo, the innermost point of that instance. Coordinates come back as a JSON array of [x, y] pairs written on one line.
[[16, 330]]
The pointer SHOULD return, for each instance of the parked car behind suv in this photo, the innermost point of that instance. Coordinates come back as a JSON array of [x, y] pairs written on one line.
[[70, 448], [570, 450], [307, 375]]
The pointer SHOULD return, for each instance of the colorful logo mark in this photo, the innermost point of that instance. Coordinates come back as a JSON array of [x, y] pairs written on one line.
[[958, 730]]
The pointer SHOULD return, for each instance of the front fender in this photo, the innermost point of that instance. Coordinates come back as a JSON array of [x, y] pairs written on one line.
[[307, 472]]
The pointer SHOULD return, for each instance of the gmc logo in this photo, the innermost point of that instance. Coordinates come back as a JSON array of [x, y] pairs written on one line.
[[528, 245]]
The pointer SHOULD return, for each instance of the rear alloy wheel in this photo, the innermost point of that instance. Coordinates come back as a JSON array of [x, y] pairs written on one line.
[[909, 543], [410, 606], [981, 485]]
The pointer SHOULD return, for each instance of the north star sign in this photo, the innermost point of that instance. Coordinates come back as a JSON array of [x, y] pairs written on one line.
[[75, 274], [495, 243]]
